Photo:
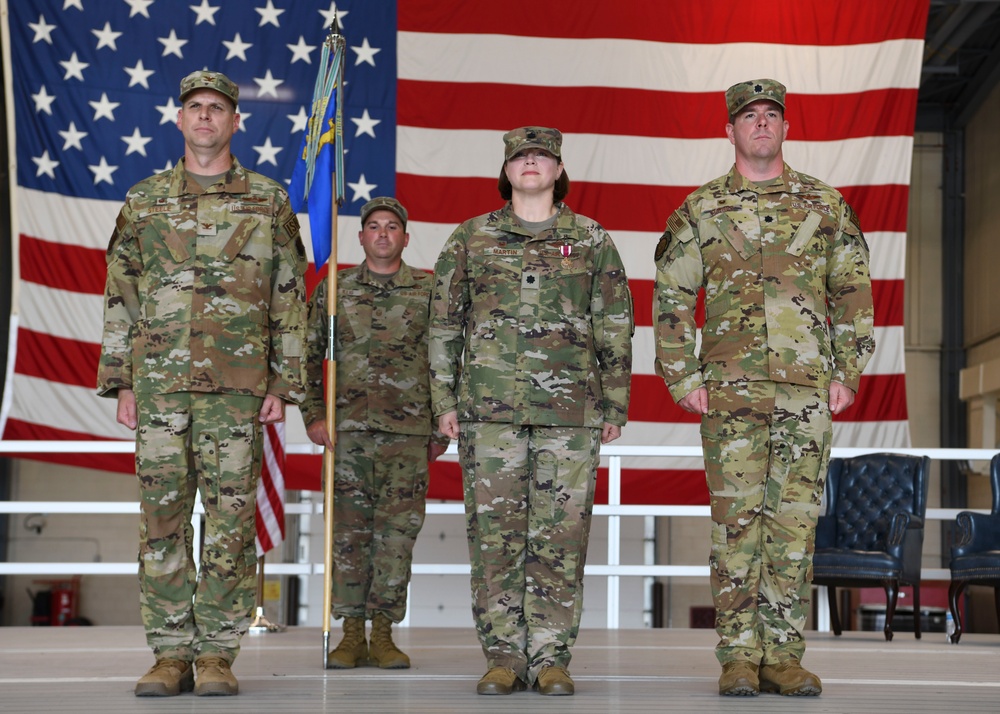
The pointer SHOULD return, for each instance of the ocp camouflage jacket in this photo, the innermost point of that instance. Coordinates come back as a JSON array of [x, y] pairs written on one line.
[[787, 289], [205, 289], [531, 329]]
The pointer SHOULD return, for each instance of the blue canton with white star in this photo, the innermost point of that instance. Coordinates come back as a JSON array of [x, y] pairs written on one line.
[[96, 84]]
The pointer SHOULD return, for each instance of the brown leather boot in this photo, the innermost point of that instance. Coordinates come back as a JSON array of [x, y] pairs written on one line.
[[789, 679], [214, 678], [739, 679], [383, 650], [166, 678], [353, 649]]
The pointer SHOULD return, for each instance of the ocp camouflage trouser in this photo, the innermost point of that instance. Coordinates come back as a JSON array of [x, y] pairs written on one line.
[[209, 443], [529, 495], [766, 447], [380, 491]]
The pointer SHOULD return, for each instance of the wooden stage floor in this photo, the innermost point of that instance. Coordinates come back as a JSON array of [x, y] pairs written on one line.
[[93, 669]]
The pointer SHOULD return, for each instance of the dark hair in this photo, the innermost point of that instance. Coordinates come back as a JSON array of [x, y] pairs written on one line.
[[559, 191]]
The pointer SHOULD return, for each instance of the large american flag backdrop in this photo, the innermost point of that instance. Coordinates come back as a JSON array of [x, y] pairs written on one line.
[[636, 87]]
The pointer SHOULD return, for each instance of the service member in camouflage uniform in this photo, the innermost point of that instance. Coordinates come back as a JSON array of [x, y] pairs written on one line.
[[531, 360], [384, 425], [788, 330], [203, 335]]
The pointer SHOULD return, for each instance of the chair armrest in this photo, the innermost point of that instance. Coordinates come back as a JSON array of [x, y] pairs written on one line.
[[975, 532], [902, 521]]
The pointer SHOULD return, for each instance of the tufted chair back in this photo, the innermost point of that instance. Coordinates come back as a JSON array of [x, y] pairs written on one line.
[[873, 531], [865, 492]]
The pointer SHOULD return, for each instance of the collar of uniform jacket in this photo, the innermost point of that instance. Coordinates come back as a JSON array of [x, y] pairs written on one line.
[[505, 220], [235, 181], [402, 279], [791, 182]]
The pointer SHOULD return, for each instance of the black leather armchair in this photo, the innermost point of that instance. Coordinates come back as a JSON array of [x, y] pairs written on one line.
[[975, 555], [873, 530]]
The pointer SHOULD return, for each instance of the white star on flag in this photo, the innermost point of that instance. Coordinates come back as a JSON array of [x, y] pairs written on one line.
[[168, 112], [366, 125], [107, 37], [43, 31], [267, 154], [104, 108], [331, 14], [237, 47], [45, 165], [172, 44], [139, 7], [74, 67], [300, 121], [102, 172], [43, 101], [136, 143], [268, 85], [72, 137], [365, 53], [269, 14], [301, 51], [138, 74], [362, 189], [205, 12]]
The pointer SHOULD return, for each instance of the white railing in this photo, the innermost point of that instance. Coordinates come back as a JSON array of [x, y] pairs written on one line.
[[613, 510]]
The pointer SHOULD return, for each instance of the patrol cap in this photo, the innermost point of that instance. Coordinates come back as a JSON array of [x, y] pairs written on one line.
[[532, 137], [383, 203], [741, 94], [203, 79]]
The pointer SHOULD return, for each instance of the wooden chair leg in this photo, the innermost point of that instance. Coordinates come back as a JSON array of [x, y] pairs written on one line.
[[954, 593], [916, 609], [831, 594], [891, 596]]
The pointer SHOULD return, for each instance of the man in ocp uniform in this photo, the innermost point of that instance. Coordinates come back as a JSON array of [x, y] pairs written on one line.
[[203, 335], [788, 330], [383, 439]]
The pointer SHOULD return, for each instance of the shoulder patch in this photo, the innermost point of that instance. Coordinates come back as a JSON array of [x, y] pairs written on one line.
[[291, 227], [852, 228], [662, 246], [676, 223], [853, 221]]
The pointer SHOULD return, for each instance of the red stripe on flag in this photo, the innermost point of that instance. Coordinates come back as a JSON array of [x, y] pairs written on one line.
[[59, 265], [630, 207], [57, 359], [846, 22], [640, 112], [19, 430]]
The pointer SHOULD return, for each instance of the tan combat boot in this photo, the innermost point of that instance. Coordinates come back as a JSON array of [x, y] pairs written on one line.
[[739, 679], [353, 649], [214, 678], [789, 679], [500, 680], [554, 681], [166, 678], [383, 651]]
